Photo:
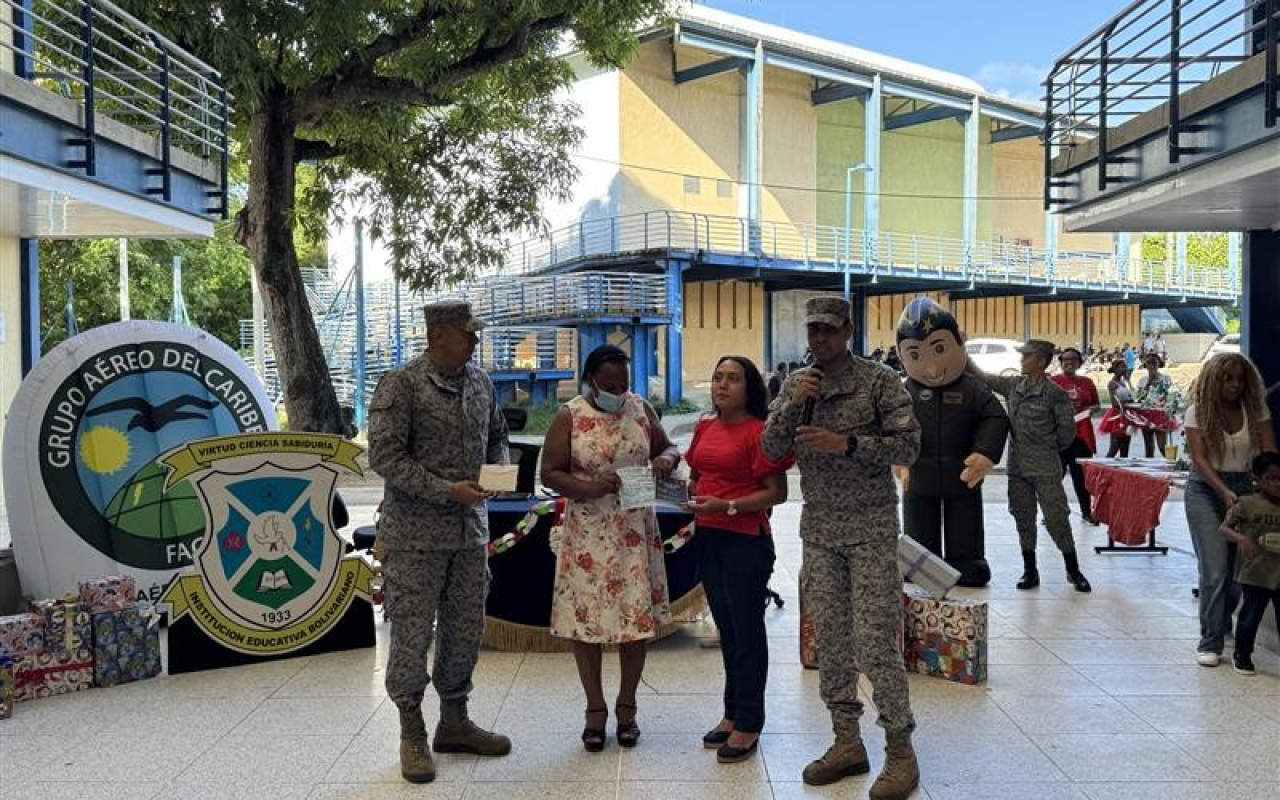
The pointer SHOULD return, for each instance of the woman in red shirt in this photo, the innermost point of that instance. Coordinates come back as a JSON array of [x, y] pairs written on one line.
[[1084, 395], [734, 487]]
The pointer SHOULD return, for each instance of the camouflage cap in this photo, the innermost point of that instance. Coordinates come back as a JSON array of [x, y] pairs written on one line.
[[454, 313], [827, 310], [1040, 348]]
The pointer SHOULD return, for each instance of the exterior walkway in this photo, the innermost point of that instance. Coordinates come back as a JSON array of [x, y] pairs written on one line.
[[1090, 697]]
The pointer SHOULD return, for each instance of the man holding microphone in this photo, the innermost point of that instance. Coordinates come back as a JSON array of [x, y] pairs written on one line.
[[849, 420]]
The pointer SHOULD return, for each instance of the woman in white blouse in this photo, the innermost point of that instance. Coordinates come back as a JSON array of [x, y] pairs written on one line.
[[1227, 425]]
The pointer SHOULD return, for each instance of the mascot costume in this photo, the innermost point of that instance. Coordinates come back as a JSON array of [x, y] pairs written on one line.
[[963, 432]]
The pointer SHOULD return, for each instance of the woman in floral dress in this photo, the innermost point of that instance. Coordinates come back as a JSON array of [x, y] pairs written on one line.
[[611, 584]]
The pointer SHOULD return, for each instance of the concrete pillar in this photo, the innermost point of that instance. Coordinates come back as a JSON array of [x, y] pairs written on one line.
[[874, 122], [969, 204]]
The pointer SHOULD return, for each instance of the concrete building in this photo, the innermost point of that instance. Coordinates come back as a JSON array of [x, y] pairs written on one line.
[[750, 165]]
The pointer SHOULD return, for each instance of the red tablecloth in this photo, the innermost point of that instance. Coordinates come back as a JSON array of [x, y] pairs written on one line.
[[1127, 501]]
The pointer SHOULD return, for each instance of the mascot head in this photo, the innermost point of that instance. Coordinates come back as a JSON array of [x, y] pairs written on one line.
[[930, 344]]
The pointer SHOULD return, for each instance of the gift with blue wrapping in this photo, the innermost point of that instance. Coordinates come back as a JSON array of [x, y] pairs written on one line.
[[126, 645], [66, 625], [944, 638]]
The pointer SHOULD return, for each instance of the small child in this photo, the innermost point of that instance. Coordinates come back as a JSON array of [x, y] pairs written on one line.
[[1253, 524]]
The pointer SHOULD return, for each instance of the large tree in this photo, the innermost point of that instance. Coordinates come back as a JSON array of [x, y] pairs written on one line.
[[440, 122]]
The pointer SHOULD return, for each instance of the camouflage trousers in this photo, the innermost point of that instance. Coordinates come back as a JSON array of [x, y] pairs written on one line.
[[1025, 493], [855, 595], [439, 592]]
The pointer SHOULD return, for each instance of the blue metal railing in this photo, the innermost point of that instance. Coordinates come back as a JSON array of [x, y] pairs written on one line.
[[1148, 56], [99, 55], [887, 254]]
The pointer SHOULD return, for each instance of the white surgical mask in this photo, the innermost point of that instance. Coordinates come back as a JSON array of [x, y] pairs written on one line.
[[609, 402]]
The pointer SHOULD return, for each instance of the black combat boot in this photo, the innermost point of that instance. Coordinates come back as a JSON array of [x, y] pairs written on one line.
[[1030, 575], [1074, 575]]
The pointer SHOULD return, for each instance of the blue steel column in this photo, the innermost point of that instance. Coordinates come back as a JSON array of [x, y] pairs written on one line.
[[640, 360], [1123, 246], [874, 124], [1260, 308], [859, 342], [768, 330], [358, 398], [675, 332], [23, 45], [29, 285], [1182, 258], [753, 145], [1233, 261], [969, 224], [1050, 242]]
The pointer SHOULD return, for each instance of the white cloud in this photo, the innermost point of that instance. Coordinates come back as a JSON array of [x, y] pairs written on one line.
[[1016, 81]]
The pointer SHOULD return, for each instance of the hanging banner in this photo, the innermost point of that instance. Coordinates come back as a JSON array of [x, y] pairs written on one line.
[[270, 578], [85, 493]]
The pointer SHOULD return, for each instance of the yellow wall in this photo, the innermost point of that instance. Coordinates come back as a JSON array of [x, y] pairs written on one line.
[[990, 317], [790, 148], [1060, 323], [11, 310], [721, 318], [1113, 326]]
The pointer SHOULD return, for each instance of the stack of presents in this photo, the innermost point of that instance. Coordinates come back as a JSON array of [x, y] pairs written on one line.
[[102, 636], [943, 638]]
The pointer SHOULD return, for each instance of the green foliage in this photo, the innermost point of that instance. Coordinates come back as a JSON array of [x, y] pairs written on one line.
[[215, 282], [1203, 249], [440, 121]]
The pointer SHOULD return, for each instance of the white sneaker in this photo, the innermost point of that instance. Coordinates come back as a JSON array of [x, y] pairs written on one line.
[[1207, 658]]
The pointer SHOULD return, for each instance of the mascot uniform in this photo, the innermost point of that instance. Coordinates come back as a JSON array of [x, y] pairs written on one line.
[[963, 433]]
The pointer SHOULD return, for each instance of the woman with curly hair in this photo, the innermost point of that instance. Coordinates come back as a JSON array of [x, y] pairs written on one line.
[[1227, 425]]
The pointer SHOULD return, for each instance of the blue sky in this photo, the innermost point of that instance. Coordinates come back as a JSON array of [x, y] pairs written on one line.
[[1006, 45]]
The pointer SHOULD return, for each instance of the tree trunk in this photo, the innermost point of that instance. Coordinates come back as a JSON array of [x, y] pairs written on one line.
[[309, 398]]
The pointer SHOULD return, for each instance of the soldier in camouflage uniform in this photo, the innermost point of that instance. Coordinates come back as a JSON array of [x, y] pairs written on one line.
[[1042, 425], [862, 425], [432, 424]]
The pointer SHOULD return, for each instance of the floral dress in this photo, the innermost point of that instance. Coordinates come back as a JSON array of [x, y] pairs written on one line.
[[611, 580]]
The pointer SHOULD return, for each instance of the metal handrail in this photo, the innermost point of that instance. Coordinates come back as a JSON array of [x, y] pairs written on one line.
[[823, 247], [117, 67], [1098, 81]]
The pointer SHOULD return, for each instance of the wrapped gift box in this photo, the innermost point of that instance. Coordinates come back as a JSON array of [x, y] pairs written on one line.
[[66, 625], [126, 646], [925, 569], [6, 688], [111, 593], [45, 675], [945, 638], [21, 635]]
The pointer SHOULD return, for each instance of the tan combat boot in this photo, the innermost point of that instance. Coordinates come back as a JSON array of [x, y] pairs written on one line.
[[901, 773], [416, 765], [848, 756], [456, 733]]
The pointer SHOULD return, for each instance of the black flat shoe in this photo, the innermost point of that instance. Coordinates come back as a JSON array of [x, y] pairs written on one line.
[[1079, 581], [732, 755], [714, 738], [628, 733], [593, 739], [1030, 580]]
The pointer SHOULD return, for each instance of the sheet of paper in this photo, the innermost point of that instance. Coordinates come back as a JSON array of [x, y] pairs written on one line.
[[638, 488], [499, 477]]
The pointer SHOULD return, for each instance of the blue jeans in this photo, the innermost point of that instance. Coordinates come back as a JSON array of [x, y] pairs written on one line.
[[1215, 555]]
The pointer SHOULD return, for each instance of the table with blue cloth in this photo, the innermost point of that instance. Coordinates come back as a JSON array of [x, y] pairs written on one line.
[[518, 611]]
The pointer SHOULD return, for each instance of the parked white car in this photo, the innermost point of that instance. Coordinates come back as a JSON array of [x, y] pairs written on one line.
[[1230, 343], [996, 356]]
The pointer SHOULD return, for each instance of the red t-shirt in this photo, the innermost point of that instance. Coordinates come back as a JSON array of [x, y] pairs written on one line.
[[730, 463], [1084, 395]]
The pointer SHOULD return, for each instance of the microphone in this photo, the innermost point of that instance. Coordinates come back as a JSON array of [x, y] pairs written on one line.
[[806, 413]]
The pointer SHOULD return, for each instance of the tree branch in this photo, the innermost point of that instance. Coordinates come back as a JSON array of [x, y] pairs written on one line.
[[486, 58], [389, 43], [313, 150], [354, 93]]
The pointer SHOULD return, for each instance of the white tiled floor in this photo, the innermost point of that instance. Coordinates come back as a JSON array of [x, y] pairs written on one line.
[[1090, 698]]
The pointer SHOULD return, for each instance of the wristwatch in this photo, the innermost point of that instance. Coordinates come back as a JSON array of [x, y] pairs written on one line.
[[733, 508], [851, 447]]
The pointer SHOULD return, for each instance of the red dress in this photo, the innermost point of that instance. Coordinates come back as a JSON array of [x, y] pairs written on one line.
[[1084, 396]]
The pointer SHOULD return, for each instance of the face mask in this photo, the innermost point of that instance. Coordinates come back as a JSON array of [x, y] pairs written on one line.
[[609, 402]]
